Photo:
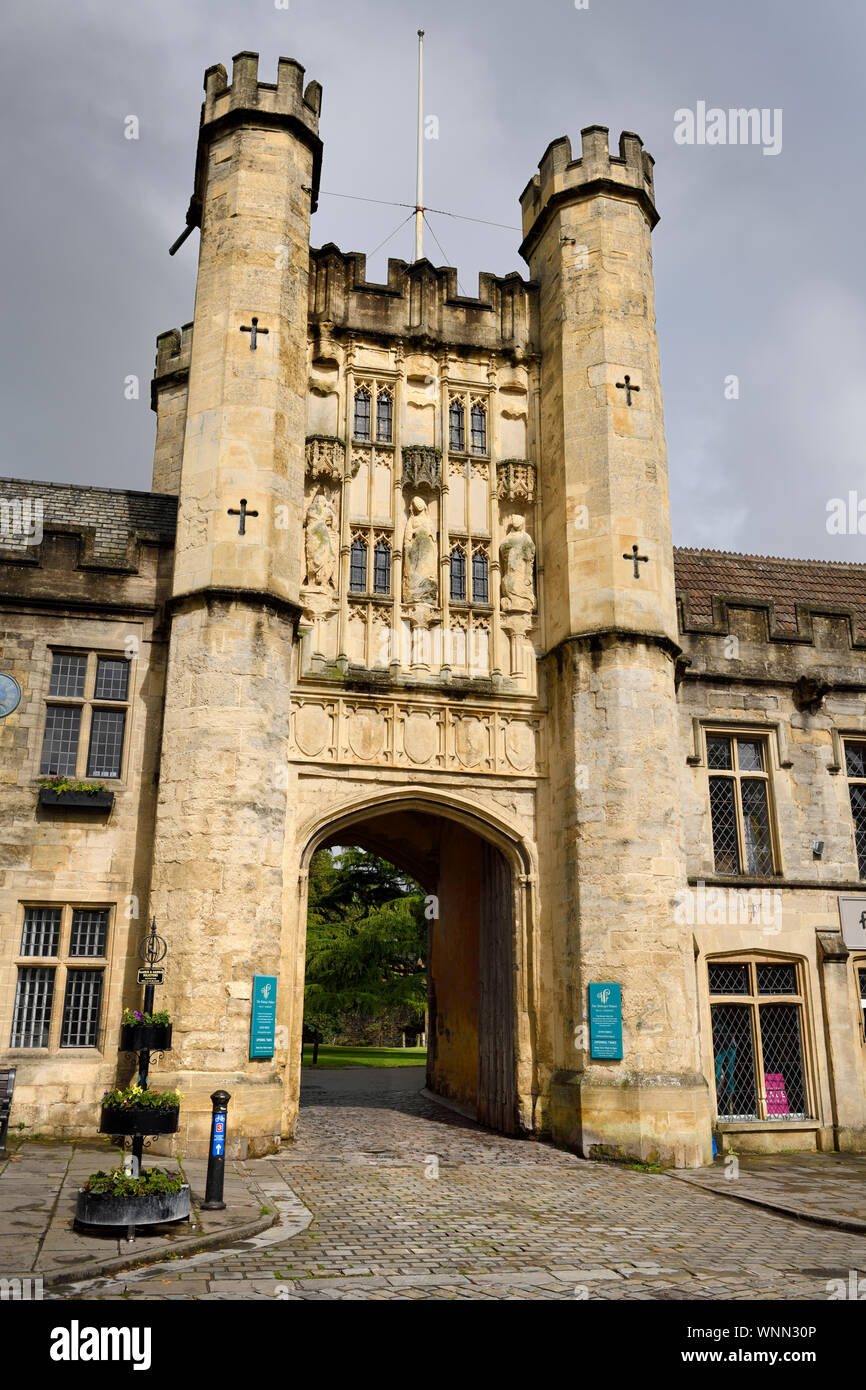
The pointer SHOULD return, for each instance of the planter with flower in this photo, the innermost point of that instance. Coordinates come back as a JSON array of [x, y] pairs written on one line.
[[140, 1110], [116, 1198], [133, 1195], [141, 1031], [68, 791]]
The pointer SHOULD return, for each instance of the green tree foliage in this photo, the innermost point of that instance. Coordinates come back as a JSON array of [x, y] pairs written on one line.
[[366, 943]]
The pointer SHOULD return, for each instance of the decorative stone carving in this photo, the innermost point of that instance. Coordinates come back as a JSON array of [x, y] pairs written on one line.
[[321, 543], [420, 556], [325, 456], [422, 466], [516, 480], [366, 733], [312, 729], [516, 555], [420, 737], [470, 741], [519, 745]]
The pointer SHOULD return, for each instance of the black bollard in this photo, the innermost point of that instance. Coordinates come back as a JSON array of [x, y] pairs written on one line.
[[216, 1159]]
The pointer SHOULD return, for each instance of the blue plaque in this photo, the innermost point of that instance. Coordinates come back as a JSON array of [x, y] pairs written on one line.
[[10, 695], [605, 1021], [264, 1020]]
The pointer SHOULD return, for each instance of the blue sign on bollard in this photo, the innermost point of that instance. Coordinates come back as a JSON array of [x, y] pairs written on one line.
[[605, 1021], [218, 1147], [264, 1017]]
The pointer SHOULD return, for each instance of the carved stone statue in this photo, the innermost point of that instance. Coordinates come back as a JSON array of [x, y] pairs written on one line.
[[320, 543], [516, 554], [420, 556]]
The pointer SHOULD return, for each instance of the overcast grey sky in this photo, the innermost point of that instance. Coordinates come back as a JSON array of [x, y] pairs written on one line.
[[758, 258]]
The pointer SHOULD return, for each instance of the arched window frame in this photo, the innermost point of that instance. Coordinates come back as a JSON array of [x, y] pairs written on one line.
[[382, 565], [457, 574], [358, 558], [480, 575], [456, 427], [361, 423], [478, 428], [384, 416]]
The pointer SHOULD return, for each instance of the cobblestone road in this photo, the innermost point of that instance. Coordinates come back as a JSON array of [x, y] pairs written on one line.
[[410, 1201]]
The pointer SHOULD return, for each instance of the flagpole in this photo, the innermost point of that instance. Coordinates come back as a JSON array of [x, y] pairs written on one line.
[[419, 210]]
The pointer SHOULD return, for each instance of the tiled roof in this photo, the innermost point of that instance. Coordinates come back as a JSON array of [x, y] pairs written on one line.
[[827, 586], [112, 517]]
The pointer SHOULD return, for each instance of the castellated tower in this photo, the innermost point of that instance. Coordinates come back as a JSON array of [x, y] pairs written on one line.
[[217, 885], [615, 862]]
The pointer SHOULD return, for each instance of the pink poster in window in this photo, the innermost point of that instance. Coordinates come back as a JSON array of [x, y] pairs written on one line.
[[777, 1096]]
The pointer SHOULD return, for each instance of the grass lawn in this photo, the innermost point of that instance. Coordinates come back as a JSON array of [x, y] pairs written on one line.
[[366, 1056]]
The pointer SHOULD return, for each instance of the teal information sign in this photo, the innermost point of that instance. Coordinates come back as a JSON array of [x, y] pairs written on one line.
[[605, 1021], [264, 1019]]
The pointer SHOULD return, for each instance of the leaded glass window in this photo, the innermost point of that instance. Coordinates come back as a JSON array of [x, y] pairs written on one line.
[[456, 428], [361, 427], [458, 576], [740, 805], [81, 1007], [479, 577], [478, 429], [112, 679], [757, 1044], [31, 1017], [60, 740], [106, 742], [89, 931], [41, 933], [855, 768], [68, 671], [358, 566], [384, 417], [382, 568]]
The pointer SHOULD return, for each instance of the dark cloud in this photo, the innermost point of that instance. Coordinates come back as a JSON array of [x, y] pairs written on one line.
[[758, 259]]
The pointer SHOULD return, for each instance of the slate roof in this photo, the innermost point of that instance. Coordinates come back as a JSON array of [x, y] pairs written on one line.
[[112, 516], [818, 586]]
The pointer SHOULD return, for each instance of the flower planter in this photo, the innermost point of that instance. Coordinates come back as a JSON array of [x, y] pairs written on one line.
[[148, 1210], [145, 1119], [152, 1037], [82, 801]]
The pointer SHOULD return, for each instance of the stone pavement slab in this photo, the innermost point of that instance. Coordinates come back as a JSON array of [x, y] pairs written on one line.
[[495, 1219], [828, 1189], [39, 1184]]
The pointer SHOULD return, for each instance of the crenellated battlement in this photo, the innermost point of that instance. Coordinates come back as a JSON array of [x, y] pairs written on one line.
[[286, 97], [173, 350], [246, 100], [421, 300], [562, 179]]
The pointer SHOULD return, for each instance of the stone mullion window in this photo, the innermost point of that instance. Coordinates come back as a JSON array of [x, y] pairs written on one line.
[[741, 811], [345, 520], [759, 1043], [61, 969], [87, 715], [855, 770]]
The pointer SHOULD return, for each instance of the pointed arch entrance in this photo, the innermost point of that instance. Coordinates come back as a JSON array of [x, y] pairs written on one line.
[[472, 868]]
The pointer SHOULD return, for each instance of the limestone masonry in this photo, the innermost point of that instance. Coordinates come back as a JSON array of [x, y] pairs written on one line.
[[406, 580]]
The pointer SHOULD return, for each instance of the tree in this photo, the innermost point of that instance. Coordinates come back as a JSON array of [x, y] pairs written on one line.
[[366, 943]]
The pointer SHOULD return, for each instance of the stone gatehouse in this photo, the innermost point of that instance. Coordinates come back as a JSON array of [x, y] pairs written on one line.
[[406, 580]]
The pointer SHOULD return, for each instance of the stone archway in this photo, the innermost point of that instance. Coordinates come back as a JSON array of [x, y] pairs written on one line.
[[471, 870]]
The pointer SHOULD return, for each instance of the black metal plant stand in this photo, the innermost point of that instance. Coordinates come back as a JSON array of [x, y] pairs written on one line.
[[141, 1123]]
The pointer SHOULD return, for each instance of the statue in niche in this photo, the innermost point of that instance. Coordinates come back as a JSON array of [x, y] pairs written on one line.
[[516, 555], [420, 556], [320, 542]]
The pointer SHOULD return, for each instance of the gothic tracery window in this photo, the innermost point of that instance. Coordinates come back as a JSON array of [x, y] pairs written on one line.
[[480, 586], [358, 566], [384, 417], [382, 568], [456, 427], [458, 575], [478, 429], [361, 428]]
